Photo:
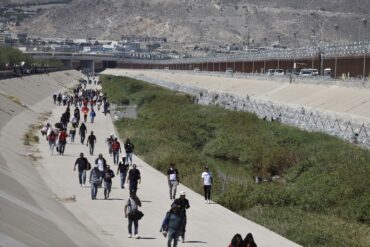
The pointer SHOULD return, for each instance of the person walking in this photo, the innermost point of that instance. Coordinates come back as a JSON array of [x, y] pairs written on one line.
[[249, 241], [62, 141], [102, 164], [110, 141], [171, 225], [129, 148], [52, 138], [173, 180], [83, 166], [55, 97], [207, 184], [183, 205], [92, 115], [122, 170], [72, 131], [95, 182], [108, 175], [131, 207], [236, 241], [91, 141], [116, 149], [82, 132], [134, 177]]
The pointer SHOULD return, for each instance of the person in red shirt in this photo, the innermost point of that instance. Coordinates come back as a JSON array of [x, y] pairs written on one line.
[[116, 149], [62, 141]]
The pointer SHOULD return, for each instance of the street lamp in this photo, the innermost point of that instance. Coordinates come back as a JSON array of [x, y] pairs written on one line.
[[336, 26]]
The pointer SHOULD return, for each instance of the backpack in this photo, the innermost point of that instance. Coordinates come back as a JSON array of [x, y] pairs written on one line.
[[51, 136]]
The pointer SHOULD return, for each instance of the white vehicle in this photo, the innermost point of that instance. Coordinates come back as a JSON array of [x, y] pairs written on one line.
[[279, 72], [305, 72], [315, 72], [275, 72]]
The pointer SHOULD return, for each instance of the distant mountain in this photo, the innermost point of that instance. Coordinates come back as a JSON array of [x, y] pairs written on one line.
[[207, 22]]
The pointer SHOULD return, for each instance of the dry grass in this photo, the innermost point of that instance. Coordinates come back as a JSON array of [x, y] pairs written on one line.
[[68, 199]]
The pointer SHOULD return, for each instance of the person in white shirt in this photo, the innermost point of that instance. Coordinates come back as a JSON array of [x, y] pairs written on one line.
[[207, 183], [173, 180]]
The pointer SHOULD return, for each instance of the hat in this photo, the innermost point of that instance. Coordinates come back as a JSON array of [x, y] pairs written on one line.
[[174, 205], [182, 193]]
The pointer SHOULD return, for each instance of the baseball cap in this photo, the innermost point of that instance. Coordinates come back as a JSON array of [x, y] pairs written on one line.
[[182, 193]]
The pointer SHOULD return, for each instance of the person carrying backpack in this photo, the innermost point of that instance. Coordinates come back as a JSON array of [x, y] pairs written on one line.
[[62, 141], [83, 165], [171, 225]]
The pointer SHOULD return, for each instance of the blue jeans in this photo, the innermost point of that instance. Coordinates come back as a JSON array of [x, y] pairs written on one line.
[[172, 236], [82, 177], [123, 179], [129, 158], [115, 157], [94, 190], [136, 225]]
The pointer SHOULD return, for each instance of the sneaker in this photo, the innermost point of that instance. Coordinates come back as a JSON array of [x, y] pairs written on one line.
[[137, 236], [83, 186], [130, 236]]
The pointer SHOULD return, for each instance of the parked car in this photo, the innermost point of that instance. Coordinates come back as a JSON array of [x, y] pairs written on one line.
[[275, 72], [229, 70]]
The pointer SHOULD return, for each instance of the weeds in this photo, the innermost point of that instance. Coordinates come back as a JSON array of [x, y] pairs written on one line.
[[321, 177]]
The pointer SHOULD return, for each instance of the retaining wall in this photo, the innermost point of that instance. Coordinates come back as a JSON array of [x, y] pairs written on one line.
[[336, 124]]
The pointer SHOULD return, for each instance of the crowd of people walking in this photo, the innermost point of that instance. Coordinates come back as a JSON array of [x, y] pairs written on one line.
[[101, 175]]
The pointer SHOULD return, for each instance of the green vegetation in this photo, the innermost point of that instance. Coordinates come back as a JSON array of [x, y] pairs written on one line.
[[12, 56], [322, 195]]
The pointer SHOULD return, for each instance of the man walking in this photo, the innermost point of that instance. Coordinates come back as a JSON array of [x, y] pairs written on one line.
[[129, 148], [91, 140], [173, 180], [62, 141], [83, 131], [207, 183], [183, 205], [102, 164], [134, 177], [95, 182], [108, 175], [171, 225], [83, 165], [116, 149], [122, 170], [131, 207]]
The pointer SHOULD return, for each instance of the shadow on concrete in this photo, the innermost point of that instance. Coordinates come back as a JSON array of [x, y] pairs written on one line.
[[195, 242], [147, 238]]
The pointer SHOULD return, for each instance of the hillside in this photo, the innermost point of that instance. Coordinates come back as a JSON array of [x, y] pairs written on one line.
[[208, 22]]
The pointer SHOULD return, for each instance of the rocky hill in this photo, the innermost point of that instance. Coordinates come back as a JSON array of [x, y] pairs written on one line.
[[206, 22]]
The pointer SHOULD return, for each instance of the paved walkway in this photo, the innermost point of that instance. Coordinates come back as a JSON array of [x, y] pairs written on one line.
[[208, 224]]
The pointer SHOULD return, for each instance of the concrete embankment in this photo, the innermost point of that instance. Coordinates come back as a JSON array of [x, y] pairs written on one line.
[[29, 213], [336, 110]]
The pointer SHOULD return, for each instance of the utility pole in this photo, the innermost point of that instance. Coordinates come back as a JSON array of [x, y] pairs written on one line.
[[336, 26]]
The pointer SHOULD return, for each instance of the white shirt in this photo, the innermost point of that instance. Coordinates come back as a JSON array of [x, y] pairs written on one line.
[[100, 165], [207, 178]]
